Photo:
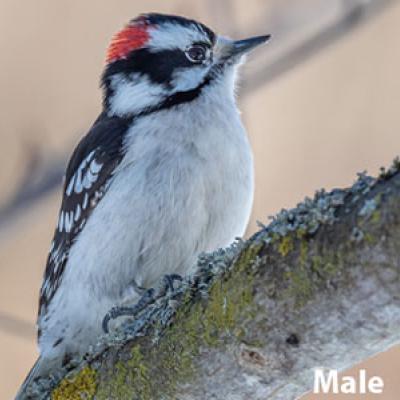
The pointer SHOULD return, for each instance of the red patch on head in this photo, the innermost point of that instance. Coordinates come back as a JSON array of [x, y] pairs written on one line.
[[133, 36]]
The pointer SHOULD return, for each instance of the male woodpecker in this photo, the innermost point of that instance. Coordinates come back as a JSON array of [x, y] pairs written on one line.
[[164, 173]]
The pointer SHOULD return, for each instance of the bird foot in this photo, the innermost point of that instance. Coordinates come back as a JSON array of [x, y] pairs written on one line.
[[150, 296]]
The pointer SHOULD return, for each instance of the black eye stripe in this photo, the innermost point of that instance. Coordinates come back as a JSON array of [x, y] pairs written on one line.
[[157, 66]]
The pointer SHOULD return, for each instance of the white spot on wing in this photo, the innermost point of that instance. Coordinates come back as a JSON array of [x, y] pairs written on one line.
[[89, 157], [78, 182], [85, 201], [89, 179], [70, 186], [95, 167], [86, 183], [61, 221], [82, 224], [77, 213], [68, 221], [92, 177]]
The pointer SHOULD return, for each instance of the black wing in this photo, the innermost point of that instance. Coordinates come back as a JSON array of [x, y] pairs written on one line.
[[87, 178]]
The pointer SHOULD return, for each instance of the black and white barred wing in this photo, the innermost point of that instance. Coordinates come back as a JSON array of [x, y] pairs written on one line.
[[88, 176]]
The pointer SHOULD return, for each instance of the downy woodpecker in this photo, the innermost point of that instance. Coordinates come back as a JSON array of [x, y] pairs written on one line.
[[164, 173]]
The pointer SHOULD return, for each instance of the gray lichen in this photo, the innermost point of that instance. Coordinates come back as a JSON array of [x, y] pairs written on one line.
[[310, 214]]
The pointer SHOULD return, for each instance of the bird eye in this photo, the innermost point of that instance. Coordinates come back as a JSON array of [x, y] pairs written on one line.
[[196, 53]]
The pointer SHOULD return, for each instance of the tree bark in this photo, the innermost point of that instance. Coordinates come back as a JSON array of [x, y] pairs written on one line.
[[318, 287]]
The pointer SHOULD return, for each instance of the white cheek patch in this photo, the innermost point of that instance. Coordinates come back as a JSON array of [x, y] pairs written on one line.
[[185, 79], [172, 36], [134, 95]]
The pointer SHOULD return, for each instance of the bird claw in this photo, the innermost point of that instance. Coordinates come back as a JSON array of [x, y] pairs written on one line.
[[168, 282], [149, 297]]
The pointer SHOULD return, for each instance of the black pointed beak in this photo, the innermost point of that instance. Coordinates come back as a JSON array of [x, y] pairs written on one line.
[[243, 46]]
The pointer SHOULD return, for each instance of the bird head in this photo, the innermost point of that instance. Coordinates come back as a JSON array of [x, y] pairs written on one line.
[[165, 60]]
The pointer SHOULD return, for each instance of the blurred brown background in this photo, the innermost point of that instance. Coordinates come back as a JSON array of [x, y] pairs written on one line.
[[321, 103]]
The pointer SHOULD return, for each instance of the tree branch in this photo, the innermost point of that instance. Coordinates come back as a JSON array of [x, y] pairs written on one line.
[[318, 287]]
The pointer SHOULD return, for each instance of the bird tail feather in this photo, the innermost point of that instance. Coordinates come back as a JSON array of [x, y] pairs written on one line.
[[35, 372]]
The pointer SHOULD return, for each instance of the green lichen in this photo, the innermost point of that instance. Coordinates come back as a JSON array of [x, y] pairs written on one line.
[[303, 251], [375, 217], [300, 285], [247, 257], [131, 373], [310, 271], [79, 387], [228, 299], [285, 246], [370, 239], [324, 267], [370, 215]]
